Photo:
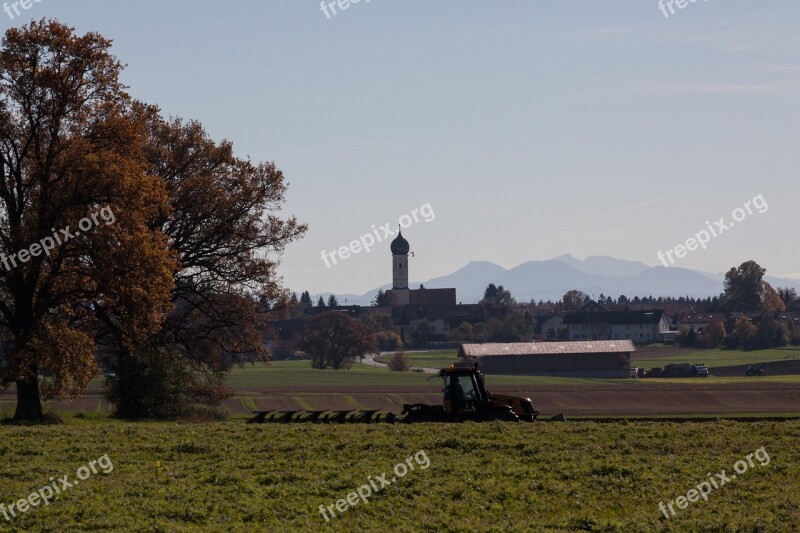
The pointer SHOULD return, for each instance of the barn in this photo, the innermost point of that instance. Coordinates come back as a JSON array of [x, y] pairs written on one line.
[[579, 359]]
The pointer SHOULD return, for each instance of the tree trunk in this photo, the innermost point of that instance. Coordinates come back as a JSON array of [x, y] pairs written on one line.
[[129, 387], [29, 404]]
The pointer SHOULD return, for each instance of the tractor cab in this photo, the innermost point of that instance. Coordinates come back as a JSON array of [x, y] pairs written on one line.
[[465, 398], [464, 391], [465, 394]]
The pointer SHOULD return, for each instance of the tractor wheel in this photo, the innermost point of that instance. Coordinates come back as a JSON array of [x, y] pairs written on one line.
[[502, 414], [420, 412]]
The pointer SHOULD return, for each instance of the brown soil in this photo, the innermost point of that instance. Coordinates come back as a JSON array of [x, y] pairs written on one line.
[[634, 400]]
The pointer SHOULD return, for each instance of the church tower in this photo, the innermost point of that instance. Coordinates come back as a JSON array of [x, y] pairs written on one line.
[[400, 249]]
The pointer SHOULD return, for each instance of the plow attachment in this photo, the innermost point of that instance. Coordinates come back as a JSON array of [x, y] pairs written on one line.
[[411, 414], [354, 416]]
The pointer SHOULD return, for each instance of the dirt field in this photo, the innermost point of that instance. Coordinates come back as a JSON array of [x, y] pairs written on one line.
[[592, 398], [645, 400]]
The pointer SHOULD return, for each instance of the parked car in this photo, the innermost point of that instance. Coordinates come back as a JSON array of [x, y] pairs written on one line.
[[700, 370]]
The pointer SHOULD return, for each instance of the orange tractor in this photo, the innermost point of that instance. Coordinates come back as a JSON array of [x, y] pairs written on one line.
[[466, 398]]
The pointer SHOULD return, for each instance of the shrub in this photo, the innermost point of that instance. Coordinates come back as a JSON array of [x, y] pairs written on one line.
[[745, 332], [388, 341], [399, 362], [160, 383], [715, 333]]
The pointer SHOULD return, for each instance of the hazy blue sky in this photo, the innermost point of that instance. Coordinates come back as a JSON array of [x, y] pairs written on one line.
[[532, 128]]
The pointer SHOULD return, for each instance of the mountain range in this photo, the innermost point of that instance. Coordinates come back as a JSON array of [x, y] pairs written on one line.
[[549, 280]]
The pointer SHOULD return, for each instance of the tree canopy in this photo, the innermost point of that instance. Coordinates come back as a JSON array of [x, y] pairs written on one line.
[[69, 148], [498, 294], [334, 340], [574, 299], [125, 235], [221, 224], [746, 290]]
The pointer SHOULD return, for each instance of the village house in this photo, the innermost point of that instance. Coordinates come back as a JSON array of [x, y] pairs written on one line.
[[596, 322]]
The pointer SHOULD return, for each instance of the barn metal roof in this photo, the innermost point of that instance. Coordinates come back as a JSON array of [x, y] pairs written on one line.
[[532, 348]]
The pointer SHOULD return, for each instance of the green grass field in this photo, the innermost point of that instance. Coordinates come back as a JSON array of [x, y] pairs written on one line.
[[279, 375], [642, 358], [576, 476], [717, 357], [492, 477], [432, 359], [300, 374], [297, 374]]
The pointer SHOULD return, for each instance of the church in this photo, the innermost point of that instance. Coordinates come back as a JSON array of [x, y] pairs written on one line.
[[411, 306]]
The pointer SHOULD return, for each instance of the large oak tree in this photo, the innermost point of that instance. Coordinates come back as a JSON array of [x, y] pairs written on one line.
[[70, 146], [167, 294]]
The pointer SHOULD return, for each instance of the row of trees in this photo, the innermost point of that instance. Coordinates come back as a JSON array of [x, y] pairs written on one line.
[[766, 332], [304, 302], [745, 290]]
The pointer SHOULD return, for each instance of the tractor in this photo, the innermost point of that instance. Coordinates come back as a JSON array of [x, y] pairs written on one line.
[[466, 398]]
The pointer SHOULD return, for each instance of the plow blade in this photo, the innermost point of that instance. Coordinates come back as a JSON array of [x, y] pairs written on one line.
[[412, 413], [352, 416]]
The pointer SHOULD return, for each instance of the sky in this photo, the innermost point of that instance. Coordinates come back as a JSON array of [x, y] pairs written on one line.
[[524, 129]]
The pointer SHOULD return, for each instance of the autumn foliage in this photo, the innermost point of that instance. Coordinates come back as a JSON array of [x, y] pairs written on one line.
[[334, 340], [179, 281]]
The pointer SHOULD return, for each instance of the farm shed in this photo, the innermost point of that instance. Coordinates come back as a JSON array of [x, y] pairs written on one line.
[[585, 359]]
